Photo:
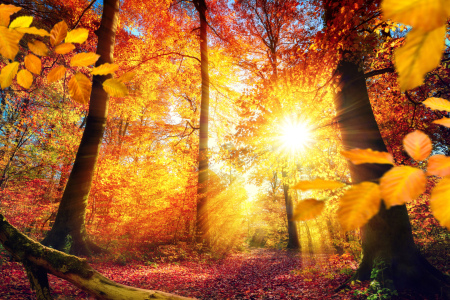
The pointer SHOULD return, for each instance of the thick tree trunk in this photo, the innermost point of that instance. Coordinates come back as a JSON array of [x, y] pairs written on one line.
[[293, 242], [68, 232], [40, 260], [387, 237], [202, 220]]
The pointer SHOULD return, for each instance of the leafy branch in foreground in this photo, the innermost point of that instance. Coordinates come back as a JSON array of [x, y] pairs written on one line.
[[61, 43]]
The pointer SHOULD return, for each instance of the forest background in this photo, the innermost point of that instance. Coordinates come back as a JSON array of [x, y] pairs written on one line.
[[165, 188]]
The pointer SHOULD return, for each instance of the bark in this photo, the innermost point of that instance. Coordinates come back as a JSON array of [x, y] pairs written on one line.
[[202, 220], [387, 237], [293, 242], [76, 270], [68, 231]]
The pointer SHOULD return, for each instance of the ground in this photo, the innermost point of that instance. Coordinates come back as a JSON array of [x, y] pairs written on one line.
[[252, 274]]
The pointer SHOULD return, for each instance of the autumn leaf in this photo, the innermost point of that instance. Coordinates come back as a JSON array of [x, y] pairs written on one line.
[[5, 13], [38, 48], [77, 36], [58, 33], [418, 145], [7, 74], [84, 59], [127, 76], [439, 165], [24, 22], [104, 69], [358, 205], [368, 156], [9, 42], [444, 122], [33, 30], [80, 88], [308, 209], [33, 64], [437, 104], [115, 88], [422, 14], [421, 53], [402, 184], [440, 202], [317, 184], [24, 79], [64, 48], [56, 74]]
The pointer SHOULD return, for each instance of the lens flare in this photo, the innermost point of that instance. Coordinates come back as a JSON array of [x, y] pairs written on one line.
[[295, 136]]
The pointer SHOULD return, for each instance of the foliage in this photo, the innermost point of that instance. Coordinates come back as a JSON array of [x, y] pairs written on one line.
[[378, 287]]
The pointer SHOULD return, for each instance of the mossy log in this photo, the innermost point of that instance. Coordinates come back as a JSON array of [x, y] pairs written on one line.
[[71, 268]]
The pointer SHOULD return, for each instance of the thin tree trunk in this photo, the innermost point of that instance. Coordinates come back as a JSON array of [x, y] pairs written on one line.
[[68, 231], [202, 220], [293, 242]]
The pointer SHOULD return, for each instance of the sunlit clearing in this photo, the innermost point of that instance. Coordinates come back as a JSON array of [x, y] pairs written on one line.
[[295, 136]]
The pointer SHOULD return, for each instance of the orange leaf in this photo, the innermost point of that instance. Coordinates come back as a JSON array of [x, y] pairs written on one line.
[[58, 33], [368, 156], [439, 165], [308, 209], [64, 48], [417, 144], [437, 104], [56, 74], [439, 202], [33, 64], [444, 122], [80, 88], [317, 184]]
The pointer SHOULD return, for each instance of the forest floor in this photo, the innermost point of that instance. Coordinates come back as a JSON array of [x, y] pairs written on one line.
[[254, 274]]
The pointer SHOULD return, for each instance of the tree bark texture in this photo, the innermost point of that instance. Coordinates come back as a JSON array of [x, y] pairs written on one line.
[[76, 270], [202, 220], [68, 231], [387, 237]]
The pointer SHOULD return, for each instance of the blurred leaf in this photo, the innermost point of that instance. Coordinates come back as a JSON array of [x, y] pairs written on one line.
[[115, 88], [104, 69], [439, 165], [437, 104], [77, 36], [440, 203], [58, 33], [9, 42], [402, 184], [56, 74], [84, 59], [33, 64], [358, 205], [318, 184], [6, 10], [34, 30], [38, 48], [418, 145], [127, 76], [64, 48], [23, 22], [308, 209], [24, 79], [444, 122], [7, 74], [368, 156], [80, 88]]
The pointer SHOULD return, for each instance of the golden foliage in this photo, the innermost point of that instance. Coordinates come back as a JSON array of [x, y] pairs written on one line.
[[9, 42], [56, 74], [77, 36], [115, 88], [25, 79], [8, 73], [80, 88], [105, 69], [38, 48], [126, 77], [21, 22], [84, 59], [317, 184], [33, 64], [64, 48], [402, 184], [308, 209], [365, 156], [358, 205], [6, 10], [58, 33], [33, 30], [417, 144], [440, 203]]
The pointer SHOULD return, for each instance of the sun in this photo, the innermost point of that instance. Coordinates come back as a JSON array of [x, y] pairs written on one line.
[[295, 136]]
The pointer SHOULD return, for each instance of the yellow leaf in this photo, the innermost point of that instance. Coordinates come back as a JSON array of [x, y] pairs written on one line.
[[444, 122], [23, 22], [318, 184], [8, 73], [127, 76], [84, 59], [5, 12], [64, 48], [104, 69], [80, 88], [56, 74], [33, 64], [115, 88], [9, 42], [38, 48], [402, 184], [423, 14], [33, 30], [77, 36], [437, 104], [358, 205], [368, 156], [308, 209], [58, 33], [421, 53], [417, 144], [440, 202], [439, 165], [24, 79]]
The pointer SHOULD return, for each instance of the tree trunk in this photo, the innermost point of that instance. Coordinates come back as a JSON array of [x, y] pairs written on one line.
[[293, 242], [387, 237], [69, 232], [40, 260], [202, 220]]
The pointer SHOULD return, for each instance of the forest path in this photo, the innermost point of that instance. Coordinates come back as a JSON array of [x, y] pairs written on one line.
[[255, 274]]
